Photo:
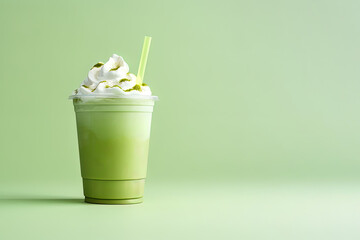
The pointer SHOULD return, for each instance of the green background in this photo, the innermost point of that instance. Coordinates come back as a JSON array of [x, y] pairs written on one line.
[[253, 95]]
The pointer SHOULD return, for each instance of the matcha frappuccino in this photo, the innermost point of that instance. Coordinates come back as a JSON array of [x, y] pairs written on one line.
[[113, 117]]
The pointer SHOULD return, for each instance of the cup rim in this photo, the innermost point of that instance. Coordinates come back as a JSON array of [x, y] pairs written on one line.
[[140, 97]]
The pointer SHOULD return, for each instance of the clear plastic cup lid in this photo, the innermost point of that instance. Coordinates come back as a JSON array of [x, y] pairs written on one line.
[[95, 96]]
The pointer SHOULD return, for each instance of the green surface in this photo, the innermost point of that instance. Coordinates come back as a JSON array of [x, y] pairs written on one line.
[[222, 210], [249, 90]]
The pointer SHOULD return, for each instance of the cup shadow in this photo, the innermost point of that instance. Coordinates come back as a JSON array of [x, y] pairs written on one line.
[[41, 200]]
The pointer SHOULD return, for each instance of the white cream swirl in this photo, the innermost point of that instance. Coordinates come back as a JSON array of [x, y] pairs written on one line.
[[113, 77]]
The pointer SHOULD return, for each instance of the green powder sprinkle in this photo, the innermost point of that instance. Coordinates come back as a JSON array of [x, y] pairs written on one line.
[[107, 86], [85, 86], [99, 64], [115, 68], [144, 84], [136, 87], [124, 80], [97, 86]]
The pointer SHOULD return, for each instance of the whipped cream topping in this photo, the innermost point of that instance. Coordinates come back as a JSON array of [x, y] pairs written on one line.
[[111, 78]]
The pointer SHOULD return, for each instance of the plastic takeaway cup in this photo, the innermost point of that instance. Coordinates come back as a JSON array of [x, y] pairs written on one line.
[[113, 136]]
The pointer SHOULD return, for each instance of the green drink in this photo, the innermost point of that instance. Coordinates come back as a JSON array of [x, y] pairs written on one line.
[[113, 116], [113, 136]]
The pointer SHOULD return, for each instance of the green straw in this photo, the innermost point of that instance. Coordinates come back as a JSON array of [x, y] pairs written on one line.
[[143, 60]]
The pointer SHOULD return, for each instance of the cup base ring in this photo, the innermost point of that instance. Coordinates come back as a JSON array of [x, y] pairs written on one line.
[[114, 201]]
